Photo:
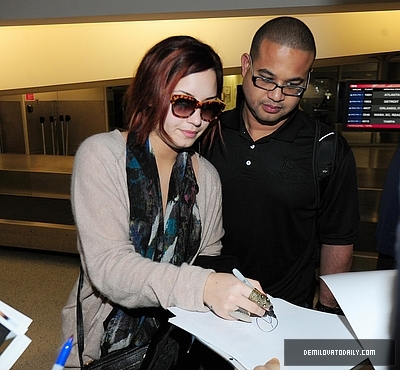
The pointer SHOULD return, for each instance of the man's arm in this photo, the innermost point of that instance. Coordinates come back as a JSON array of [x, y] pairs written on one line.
[[334, 259]]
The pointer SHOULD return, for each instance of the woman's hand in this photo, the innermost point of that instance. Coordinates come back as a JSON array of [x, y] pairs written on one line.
[[224, 293], [272, 364]]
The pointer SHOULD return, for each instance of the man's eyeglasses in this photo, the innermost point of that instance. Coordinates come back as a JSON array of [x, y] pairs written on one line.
[[183, 106], [270, 85]]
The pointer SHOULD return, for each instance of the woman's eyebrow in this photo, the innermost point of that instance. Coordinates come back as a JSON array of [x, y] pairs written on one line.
[[187, 93]]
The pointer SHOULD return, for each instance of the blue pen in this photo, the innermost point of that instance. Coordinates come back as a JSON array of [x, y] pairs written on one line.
[[63, 355]]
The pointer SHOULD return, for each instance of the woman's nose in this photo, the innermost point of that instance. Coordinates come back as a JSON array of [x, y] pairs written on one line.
[[195, 118]]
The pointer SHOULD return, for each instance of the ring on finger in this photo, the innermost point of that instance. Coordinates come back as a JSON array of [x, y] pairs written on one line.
[[260, 299], [241, 314]]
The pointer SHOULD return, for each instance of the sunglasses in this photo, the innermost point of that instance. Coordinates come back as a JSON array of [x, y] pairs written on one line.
[[183, 106]]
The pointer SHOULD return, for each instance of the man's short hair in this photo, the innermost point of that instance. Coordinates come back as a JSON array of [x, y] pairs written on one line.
[[286, 31]]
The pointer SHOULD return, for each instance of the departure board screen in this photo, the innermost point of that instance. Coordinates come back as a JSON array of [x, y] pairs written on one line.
[[372, 106]]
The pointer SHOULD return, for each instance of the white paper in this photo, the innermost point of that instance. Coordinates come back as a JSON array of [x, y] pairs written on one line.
[[18, 324], [248, 346], [367, 299]]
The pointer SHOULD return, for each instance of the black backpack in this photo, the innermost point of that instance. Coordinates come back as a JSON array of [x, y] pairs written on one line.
[[324, 159]]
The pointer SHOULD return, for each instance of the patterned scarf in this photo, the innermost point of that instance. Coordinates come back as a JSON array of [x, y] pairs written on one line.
[[173, 237]]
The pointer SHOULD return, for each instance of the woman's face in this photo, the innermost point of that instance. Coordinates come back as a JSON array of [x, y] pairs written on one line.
[[183, 132]]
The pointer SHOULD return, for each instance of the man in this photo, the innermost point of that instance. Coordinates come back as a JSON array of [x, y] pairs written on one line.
[[265, 160]]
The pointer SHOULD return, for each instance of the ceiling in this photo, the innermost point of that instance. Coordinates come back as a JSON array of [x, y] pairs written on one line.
[[28, 12]]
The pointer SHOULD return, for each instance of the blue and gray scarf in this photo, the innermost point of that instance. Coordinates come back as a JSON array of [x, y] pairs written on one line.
[[173, 237]]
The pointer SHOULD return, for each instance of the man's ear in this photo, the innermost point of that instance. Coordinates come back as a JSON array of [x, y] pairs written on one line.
[[245, 63]]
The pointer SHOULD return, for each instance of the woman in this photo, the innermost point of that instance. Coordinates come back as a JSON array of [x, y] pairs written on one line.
[[146, 206]]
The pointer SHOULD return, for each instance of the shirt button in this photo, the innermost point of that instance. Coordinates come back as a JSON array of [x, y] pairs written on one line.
[[252, 146], [248, 163]]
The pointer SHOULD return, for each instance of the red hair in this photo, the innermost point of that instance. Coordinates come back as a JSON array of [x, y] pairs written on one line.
[[147, 99]]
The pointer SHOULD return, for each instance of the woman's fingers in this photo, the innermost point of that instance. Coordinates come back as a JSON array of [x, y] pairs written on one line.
[[224, 293]]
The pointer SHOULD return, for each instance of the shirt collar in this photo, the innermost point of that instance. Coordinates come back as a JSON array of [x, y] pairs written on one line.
[[287, 132]]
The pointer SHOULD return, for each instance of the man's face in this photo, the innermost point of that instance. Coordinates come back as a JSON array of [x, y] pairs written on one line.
[[282, 65]]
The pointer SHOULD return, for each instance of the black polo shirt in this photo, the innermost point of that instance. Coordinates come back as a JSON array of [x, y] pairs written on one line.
[[269, 213]]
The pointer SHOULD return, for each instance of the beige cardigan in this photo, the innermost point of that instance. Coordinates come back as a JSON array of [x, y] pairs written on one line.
[[116, 272]]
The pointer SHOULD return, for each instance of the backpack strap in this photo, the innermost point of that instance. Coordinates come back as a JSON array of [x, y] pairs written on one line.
[[324, 160], [79, 319]]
